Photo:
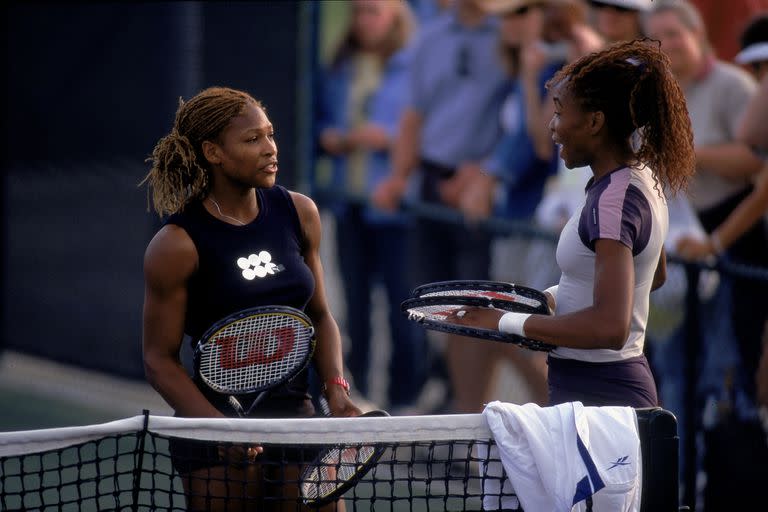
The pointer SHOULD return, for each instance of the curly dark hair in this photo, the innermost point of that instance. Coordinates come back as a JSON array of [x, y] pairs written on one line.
[[180, 173], [631, 83]]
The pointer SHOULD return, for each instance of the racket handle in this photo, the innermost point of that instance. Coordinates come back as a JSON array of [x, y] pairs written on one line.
[[324, 407], [238, 407], [235, 404], [256, 402]]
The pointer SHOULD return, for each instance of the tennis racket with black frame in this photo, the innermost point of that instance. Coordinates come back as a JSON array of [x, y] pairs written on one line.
[[338, 468], [434, 304], [253, 351], [497, 290]]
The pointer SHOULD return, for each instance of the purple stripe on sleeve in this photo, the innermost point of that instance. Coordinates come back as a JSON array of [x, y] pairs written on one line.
[[616, 210], [636, 220], [611, 203]]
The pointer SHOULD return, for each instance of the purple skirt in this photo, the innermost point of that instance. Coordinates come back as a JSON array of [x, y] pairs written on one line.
[[628, 382]]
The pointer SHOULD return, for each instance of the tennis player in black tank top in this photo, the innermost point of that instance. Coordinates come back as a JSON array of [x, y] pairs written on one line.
[[220, 287], [215, 174]]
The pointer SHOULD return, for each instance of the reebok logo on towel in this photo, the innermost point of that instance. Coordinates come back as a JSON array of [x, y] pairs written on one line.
[[621, 461]]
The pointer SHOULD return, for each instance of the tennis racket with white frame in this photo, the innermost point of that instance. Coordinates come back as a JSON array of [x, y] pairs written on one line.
[[253, 351], [434, 305], [338, 468]]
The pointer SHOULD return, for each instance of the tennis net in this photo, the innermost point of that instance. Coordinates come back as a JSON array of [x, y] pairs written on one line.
[[149, 463]]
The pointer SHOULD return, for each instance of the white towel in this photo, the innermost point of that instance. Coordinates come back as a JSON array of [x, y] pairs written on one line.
[[556, 457]]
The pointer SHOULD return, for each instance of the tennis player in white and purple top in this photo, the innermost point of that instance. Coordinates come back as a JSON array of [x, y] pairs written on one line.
[[624, 207], [620, 112]]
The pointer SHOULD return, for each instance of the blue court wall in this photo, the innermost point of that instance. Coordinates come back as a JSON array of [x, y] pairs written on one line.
[[89, 89]]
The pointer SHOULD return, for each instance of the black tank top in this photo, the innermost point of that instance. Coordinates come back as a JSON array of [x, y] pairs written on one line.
[[241, 267]]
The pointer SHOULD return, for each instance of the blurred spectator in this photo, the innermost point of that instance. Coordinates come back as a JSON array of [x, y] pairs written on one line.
[[619, 20], [753, 55], [456, 91], [754, 132], [566, 21], [363, 94], [518, 167], [717, 94], [725, 22], [426, 10]]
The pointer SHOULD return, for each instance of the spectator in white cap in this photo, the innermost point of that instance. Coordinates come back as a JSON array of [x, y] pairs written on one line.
[[748, 213], [619, 20], [754, 46], [731, 323], [753, 55]]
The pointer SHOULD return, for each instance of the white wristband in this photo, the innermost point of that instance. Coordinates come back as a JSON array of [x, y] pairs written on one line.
[[552, 290], [512, 323]]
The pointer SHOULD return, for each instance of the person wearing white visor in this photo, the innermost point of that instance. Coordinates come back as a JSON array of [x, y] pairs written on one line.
[[619, 20], [754, 46]]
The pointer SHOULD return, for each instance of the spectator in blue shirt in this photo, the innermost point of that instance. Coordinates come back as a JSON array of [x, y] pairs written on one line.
[[456, 89], [364, 91], [518, 166]]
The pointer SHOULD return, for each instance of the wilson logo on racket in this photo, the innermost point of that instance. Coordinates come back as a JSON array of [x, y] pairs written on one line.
[[232, 355], [254, 351], [493, 295]]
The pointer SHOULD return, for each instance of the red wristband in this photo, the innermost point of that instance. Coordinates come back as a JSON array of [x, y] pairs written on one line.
[[339, 381]]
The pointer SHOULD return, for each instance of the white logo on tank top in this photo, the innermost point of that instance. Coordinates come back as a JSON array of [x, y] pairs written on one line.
[[258, 265]]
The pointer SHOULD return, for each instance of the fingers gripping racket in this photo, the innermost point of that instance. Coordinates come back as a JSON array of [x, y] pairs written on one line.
[[338, 468], [433, 305], [253, 351]]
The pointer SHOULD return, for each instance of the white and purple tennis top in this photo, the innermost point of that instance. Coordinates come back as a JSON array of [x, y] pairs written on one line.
[[624, 206]]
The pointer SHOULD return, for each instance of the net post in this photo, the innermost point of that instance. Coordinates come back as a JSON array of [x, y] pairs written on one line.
[[139, 464]]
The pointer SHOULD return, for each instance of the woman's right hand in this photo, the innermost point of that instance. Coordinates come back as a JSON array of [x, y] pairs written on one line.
[[476, 201], [388, 193], [238, 454], [551, 302], [584, 40], [694, 249], [483, 318], [333, 142]]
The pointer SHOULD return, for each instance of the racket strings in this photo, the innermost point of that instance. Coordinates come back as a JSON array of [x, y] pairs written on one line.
[[438, 313], [336, 467], [255, 352], [444, 314], [489, 294]]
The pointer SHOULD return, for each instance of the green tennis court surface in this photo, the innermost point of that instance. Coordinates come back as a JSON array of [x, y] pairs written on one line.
[[24, 410], [36, 393]]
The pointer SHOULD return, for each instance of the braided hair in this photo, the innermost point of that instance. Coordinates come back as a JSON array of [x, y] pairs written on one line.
[[631, 83], [180, 172]]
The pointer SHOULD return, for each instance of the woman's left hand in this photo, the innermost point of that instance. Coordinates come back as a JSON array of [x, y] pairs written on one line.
[[451, 189], [340, 404], [693, 249], [483, 318], [369, 136], [533, 58]]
